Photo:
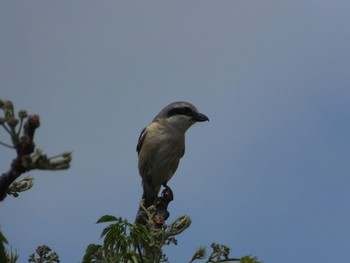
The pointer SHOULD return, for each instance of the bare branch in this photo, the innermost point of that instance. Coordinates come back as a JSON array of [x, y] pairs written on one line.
[[28, 157]]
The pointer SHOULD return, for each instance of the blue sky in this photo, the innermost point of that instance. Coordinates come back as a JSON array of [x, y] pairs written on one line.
[[268, 175]]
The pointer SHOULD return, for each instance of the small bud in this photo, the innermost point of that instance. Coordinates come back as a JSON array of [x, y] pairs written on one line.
[[39, 151], [12, 122], [25, 184], [22, 114], [66, 154], [200, 253], [8, 104], [179, 225], [183, 222], [21, 186]]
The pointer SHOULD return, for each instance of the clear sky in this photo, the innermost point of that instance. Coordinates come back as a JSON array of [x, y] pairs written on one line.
[[269, 175]]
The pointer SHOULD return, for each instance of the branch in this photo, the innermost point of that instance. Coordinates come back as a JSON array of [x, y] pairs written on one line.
[[154, 217], [28, 158], [24, 147]]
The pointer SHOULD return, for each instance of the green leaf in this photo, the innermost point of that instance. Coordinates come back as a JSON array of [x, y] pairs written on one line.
[[106, 230], [106, 218], [3, 241], [89, 252], [2, 238]]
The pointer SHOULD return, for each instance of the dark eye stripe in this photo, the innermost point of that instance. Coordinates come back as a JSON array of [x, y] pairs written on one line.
[[180, 111]]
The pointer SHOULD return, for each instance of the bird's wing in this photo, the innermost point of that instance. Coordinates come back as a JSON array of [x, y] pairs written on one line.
[[141, 139]]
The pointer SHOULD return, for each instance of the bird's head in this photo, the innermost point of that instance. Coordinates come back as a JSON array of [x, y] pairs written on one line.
[[181, 114]]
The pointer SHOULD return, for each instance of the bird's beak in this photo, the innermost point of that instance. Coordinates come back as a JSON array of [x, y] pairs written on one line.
[[200, 117]]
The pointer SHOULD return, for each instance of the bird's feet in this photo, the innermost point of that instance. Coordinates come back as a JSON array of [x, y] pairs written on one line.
[[161, 205], [167, 193]]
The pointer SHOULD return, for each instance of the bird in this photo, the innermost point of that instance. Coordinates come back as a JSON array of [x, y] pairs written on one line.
[[161, 145]]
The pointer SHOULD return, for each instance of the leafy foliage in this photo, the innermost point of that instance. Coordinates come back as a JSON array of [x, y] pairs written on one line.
[[3, 242], [220, 253], [44, 255], [125, 242]]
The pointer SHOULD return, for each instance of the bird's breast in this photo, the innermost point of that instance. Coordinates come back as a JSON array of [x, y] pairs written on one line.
[[161, 152]]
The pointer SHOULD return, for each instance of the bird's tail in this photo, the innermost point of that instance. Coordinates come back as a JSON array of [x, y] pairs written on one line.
[[141, 216], [149, 197]]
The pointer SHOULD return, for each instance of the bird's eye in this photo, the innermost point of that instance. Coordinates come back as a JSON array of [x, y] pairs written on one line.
[[185, 110]]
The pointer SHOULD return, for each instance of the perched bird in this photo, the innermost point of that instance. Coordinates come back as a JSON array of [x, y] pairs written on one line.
[[161, 145]]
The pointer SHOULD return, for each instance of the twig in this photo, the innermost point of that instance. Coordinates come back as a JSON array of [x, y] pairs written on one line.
[[28, 158], [24, 148]]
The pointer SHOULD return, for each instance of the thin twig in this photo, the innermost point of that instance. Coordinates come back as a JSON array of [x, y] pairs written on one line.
[[7, 145]]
